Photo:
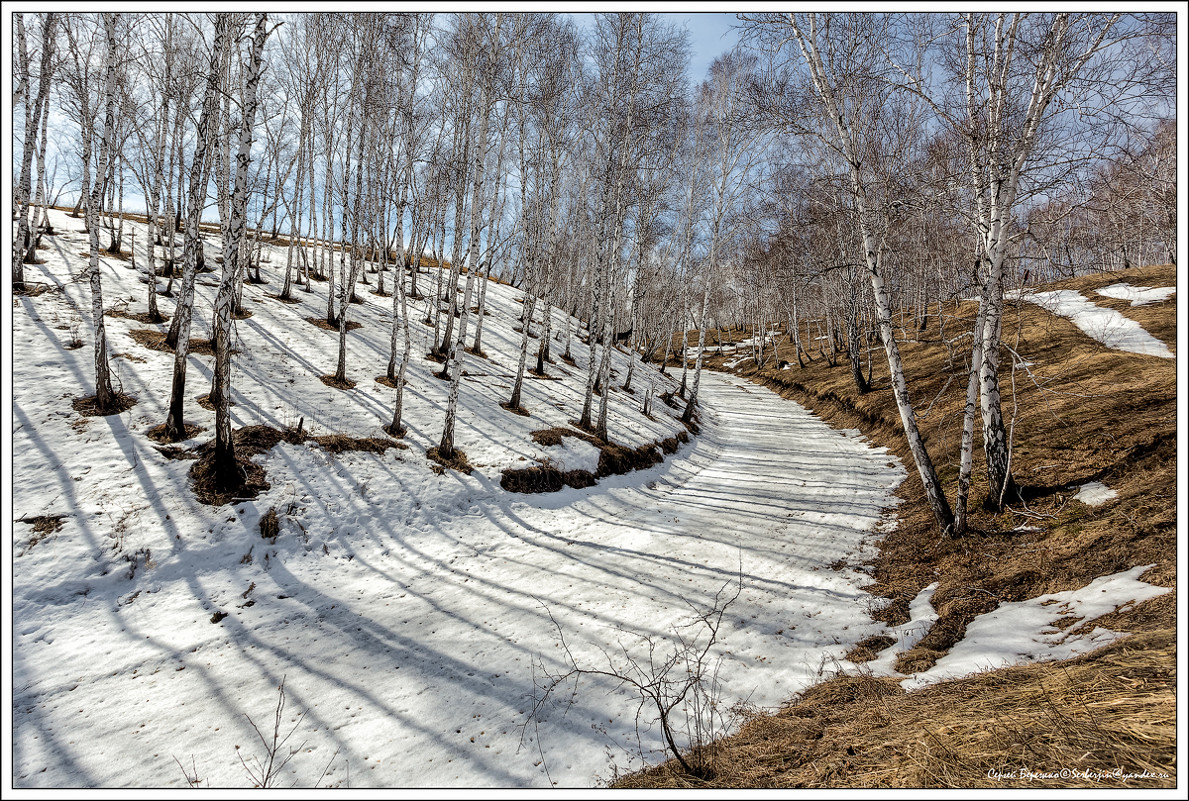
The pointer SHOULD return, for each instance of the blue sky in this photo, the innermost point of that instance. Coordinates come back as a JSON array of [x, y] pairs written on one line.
[[710, 35]]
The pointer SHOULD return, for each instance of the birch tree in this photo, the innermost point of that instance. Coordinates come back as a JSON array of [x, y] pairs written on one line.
[[487, 51], [106, 401], [175, 427], [224, 465], [35, 108], [841, 55], [1016, 67]]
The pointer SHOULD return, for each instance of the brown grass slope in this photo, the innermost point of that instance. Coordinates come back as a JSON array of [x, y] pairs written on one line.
[[1079, 412]]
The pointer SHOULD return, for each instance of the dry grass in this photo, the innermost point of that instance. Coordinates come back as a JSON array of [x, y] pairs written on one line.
[[204, 401], [1081, 413], [121, 311], [331, 381], [155, 340], [1113, 710], [520, 410], [251, 441], [341, 443], [320, 322], [214, 489], [89, 406], [43, 527], [157, 433], [104, 253], [613, 460], [33, 288], [457, 462]]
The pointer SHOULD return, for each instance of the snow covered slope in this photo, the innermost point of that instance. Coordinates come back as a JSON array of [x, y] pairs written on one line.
[[408, 612]]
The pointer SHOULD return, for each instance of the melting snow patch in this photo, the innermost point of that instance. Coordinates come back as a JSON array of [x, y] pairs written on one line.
[[1138, 295], [575, 454], [1105, 325], [1025, 631], [922, 616], [1095, 493]]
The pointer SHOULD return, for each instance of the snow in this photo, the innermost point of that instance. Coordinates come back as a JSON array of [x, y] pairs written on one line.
[[1138, 295], [574, 454], [921, 617], [1105, 325], [1027, 631], [408, 613], [1094, 493]]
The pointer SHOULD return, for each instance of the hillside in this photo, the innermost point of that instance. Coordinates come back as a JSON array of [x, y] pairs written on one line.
[[1083, 415], [411, 612]]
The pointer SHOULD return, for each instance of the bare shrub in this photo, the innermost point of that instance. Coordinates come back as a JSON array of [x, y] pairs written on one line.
[[675, 679]]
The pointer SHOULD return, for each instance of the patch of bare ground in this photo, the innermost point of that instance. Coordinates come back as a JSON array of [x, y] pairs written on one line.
[[1079, 412], [457, 462], [158, 433], [331, 381], [320, 322], [123, 255], [89, 406], [214, 489], [292, 299], [270, 527], [140, 317], [613, 460], [520, 410], [247, 481], [341, 443], [32, 289], [205, 402], [43, 526], [155, 340]]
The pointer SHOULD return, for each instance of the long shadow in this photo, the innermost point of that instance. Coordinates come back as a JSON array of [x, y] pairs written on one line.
[[424, 563], [367, 636]]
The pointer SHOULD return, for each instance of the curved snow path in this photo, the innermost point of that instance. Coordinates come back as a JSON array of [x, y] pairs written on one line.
[[412, 636]]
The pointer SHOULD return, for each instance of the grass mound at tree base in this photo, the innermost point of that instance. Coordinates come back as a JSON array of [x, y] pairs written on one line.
[[89, 406], [457, 462]]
